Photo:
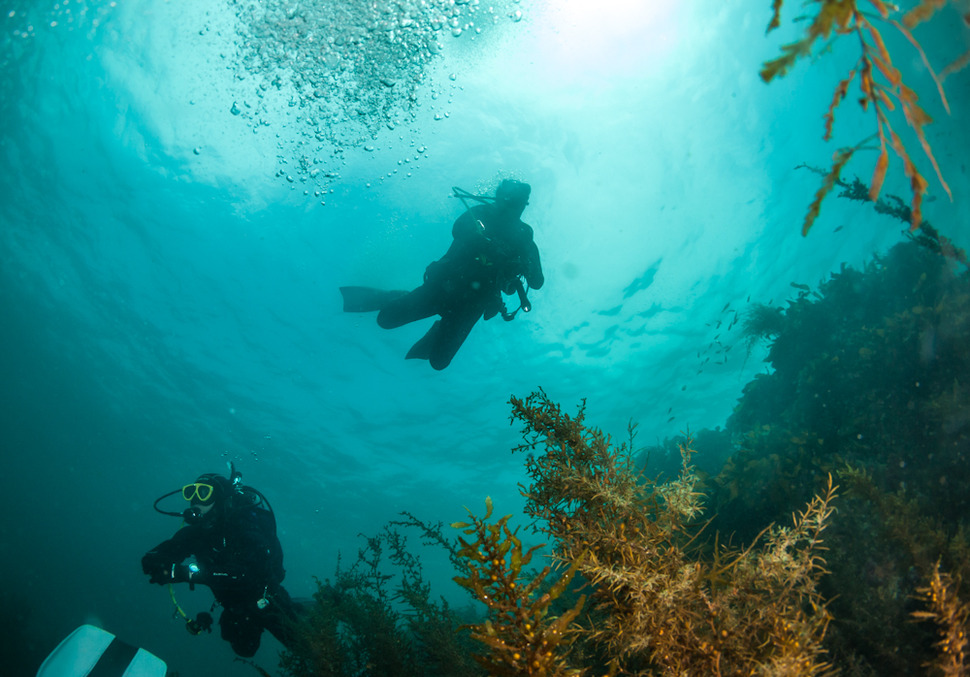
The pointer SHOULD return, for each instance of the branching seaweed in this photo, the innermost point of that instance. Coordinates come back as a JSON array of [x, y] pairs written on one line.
[[661, 600], [952, 617], [893, 205], [378, 617], [521, 636], [880, 83]]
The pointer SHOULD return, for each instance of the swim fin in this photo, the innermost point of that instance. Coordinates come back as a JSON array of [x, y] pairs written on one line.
[[422, 349], [90, 650], [367, 299]]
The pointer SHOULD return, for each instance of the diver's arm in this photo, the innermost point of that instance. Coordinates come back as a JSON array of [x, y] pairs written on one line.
[[534, 275], [184, 543], [533, 268], [161, 561]]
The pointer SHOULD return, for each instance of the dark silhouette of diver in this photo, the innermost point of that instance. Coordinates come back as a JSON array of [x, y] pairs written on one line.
[[492, 250], [230, 541]]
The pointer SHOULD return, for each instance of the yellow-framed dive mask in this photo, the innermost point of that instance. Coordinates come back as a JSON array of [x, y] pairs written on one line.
[[199, 490]]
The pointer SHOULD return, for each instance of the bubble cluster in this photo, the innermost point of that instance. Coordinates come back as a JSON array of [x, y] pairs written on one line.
[[30, 17], [349, 73]]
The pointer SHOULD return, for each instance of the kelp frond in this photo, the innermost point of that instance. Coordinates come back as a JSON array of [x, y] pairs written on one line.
[[881, 86], [521, 637], [951, 616]]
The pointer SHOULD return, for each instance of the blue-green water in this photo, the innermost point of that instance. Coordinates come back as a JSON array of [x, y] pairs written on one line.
[[183, 188]]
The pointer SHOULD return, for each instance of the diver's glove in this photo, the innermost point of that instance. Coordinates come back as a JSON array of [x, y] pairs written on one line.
[[161, 575], [153, 564]]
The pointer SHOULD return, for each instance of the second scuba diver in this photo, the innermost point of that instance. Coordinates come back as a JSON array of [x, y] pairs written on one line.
[[228, 543]]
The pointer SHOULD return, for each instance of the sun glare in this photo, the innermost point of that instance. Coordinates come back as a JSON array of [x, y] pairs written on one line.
[[617, 36]]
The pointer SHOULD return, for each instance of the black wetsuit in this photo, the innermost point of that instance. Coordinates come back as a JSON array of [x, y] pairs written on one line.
[[489, 252], [240, 559]]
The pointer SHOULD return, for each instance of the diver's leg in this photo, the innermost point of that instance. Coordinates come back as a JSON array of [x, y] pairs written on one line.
[[281, 617], [367, 299], [415, 305], [242, 630], [452, 331]]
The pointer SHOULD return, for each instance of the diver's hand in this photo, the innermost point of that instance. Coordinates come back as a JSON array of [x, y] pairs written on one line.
[[154, 565], [151, 561], [161, 575]]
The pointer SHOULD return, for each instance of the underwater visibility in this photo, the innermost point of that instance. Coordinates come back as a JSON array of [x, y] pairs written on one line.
[[448, 337]]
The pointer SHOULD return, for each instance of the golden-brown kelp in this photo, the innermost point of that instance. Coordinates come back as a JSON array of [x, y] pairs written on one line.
[[661, 601], [521, 636], [951, 617], [880, 83]]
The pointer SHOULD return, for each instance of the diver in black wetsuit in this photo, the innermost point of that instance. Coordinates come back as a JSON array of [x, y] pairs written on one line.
[[492, 250], [230, 534]]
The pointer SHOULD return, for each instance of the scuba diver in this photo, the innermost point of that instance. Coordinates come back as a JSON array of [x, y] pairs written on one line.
[[229, 539], [491, 252]]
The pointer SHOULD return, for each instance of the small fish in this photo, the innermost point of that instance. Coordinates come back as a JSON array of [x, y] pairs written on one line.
[[726, 306], [683, 388], [671, 419], [803, 287], [670, 410], [748, 299], [837, 229]]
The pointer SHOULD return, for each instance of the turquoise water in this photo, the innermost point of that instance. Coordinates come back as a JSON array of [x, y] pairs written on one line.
[[185, 186]]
